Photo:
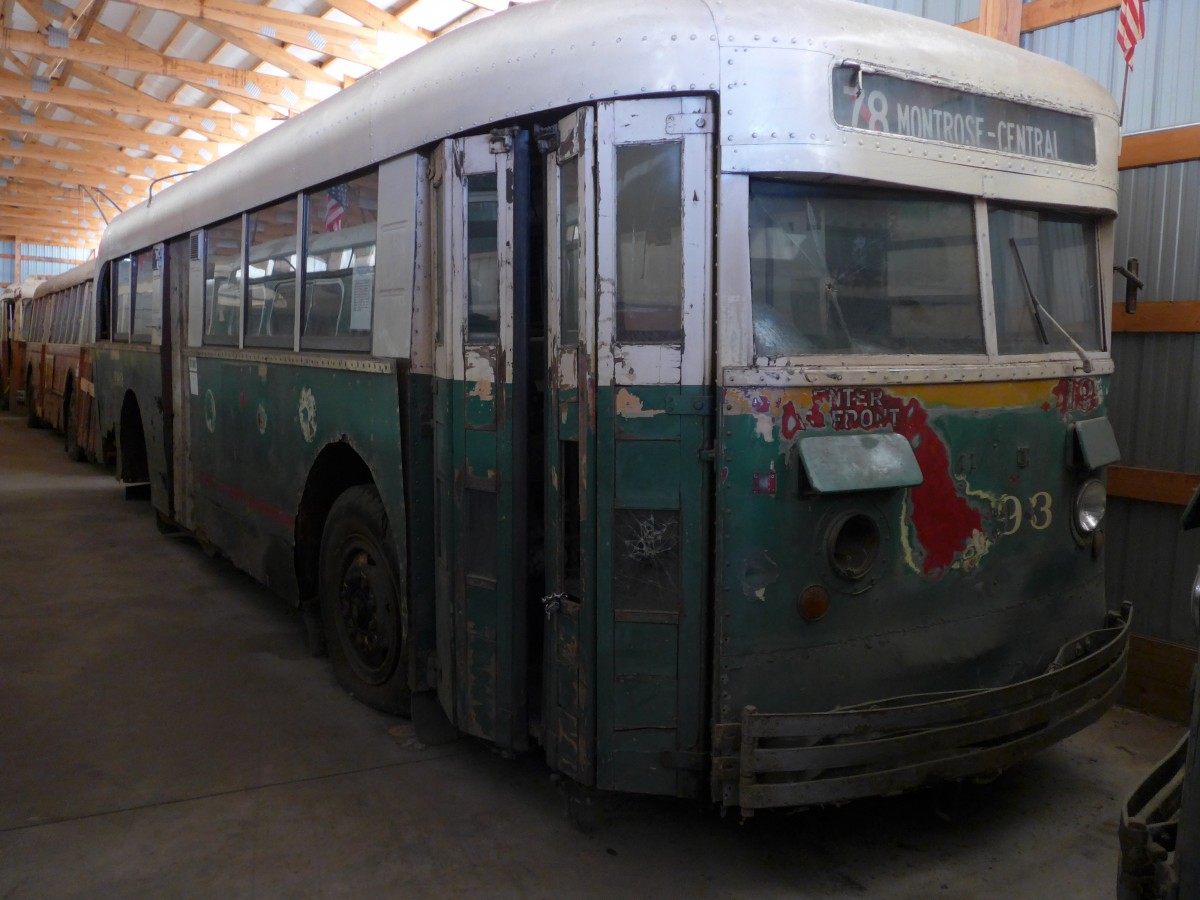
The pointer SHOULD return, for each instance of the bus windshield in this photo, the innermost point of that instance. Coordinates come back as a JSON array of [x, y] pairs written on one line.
[[1045, 280], [852, 270]]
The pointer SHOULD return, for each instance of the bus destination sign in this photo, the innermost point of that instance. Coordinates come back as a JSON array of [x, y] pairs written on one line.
[[913, 109]]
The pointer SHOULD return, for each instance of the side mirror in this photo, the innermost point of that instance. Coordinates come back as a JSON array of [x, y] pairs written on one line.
[[1133, 284]]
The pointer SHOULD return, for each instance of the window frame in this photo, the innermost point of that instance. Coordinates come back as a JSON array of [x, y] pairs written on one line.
[[343, 343], [735, 324]]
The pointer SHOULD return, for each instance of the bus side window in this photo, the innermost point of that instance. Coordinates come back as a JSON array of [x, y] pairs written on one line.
[[649, 222], [339, 266], [122, 275], [223, 282], [103, 307], [271, 275], [147, 303]]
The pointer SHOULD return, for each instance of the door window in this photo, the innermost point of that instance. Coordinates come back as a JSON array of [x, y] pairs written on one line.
[[649, 293]]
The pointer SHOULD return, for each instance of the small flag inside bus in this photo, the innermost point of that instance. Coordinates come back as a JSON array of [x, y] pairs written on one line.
[[1131, 28], [335, 206]]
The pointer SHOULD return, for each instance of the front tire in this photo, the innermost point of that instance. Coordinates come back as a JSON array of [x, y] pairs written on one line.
[[362, 607]]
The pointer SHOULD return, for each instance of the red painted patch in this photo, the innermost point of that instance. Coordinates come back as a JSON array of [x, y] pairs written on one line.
[[1080, 395], [259, 506], [943, 519]]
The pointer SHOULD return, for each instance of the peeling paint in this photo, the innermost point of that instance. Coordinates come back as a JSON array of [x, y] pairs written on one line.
[[629, 406], [308, 415], [210, 411], [759, 573], [1075, 395], [481, 375], [741, 403]]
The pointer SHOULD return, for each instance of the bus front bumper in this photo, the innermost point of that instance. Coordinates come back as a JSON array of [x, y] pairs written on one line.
[[771, 760]]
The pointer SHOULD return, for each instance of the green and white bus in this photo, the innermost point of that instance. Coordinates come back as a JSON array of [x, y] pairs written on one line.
[[709, 394]]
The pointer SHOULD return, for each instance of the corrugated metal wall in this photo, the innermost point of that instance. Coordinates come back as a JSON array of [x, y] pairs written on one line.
[[1162, 87], [1154, 410], [38, 259], [949, 11]]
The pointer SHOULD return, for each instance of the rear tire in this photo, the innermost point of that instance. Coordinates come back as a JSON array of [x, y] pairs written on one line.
[[362, 608]]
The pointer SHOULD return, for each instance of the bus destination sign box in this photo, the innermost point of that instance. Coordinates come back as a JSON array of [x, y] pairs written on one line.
[[912, 109]]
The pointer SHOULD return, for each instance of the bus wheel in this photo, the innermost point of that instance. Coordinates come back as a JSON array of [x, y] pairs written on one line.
[[361, 605]]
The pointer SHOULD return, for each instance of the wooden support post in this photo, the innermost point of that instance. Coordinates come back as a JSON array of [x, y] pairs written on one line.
[[1001, 19]]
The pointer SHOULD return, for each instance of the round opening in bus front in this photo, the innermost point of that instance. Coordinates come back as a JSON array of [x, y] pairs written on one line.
[[853, 541]]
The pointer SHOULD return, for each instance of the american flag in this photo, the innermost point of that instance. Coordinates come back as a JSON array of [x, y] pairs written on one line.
[[1131, 28], [336, 201]]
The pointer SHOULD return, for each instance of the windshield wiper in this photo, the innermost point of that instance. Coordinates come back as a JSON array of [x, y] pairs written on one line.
[[1039, 311], [1033, 300]]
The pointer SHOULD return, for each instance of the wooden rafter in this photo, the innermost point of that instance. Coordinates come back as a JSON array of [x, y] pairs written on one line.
[[351, 42], [107, 161], [372, 16], [271, 52], [118, 135], [232, 85], [87, 108], [126, 101]]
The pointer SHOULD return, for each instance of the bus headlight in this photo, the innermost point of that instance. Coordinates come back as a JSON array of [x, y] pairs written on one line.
[[853, 542], [1089, 506], [1196, 601]]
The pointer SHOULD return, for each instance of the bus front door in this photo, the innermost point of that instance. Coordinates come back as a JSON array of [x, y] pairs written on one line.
[[628, 431], [479, 430]]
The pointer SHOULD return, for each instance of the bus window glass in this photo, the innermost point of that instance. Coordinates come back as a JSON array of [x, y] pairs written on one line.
[[223, 283], [1050, 256], [103, 307], [437, 249], [271, 275], [62, 315], [62, 307], [483, 272], [55, 312], [73, 335], [865, 271], [569, 286], [122, 297], [147, 301], [649, 292], [339, 279], [88, 324]]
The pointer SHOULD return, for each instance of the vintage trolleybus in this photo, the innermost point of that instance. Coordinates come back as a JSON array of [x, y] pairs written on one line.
[[18, 329], [9, 324], [711, 394], [57, 365]]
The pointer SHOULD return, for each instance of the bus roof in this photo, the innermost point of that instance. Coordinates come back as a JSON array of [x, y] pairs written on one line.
[[73, 276], [558, 54]]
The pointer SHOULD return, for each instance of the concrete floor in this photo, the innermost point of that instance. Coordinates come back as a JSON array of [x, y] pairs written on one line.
[[163, 733]]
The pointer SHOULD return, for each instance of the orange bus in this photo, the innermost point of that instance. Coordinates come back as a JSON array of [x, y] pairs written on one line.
[[17, 301], [57, 377]]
